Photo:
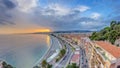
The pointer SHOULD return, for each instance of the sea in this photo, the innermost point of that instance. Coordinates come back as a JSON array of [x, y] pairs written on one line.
[[23, 50]]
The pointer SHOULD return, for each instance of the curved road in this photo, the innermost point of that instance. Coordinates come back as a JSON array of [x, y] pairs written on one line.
[[65, 60]]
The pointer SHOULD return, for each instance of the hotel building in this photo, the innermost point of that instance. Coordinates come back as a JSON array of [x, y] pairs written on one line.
[[101, 54]]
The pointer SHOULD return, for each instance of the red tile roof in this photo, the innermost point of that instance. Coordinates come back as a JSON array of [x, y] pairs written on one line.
[[112, 49], [77, 36], [75, 58]]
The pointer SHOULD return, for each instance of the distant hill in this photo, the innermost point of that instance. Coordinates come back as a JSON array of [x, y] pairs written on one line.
[[110, 33], [72, 31]]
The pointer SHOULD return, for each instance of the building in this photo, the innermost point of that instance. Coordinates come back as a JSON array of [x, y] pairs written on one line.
[[117, 42], [1, 64], [116, 64], [101, 54], [108, 53], [90, 52], [76, 57]]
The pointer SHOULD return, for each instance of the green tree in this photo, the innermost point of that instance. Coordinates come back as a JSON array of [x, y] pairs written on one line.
[[112, 24], [5, 65], [44, 64], [73, 65], [62, 52], [113, 36], [118, 22], [49, 66], [94, 36], [68, 66], [9, 66], [36, 67], [108, 33], [117, 45], [57, 59]]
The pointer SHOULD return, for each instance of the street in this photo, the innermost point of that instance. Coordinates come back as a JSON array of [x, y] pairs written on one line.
[[65, 60], [83, 62]]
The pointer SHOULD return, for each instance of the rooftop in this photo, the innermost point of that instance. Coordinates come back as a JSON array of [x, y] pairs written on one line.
[[75, 58], [77, 36], [112, 49]]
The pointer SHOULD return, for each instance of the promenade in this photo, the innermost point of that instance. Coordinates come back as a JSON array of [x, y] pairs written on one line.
[[51, 50]]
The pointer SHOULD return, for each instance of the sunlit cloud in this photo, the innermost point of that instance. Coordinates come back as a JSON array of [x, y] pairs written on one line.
[[23, 15]]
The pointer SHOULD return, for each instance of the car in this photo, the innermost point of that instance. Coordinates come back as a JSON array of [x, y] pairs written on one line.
[[64, 58]]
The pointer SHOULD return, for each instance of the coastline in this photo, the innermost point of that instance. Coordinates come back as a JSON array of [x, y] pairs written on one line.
[[40, 60], [48, 50]]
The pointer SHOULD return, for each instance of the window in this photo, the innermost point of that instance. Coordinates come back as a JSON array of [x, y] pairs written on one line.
[[118, 66]]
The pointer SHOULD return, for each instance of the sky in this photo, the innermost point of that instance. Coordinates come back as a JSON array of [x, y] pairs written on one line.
[[19, 16]]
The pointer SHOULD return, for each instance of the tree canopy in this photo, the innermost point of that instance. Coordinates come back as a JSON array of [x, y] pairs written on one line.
[[45, 64], [73, 65], [110, 33], [5, 65]]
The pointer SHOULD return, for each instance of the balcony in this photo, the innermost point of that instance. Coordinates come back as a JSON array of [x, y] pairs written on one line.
[[101, 53]]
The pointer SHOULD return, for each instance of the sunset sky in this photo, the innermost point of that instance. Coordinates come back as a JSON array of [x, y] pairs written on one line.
[[22, 16]]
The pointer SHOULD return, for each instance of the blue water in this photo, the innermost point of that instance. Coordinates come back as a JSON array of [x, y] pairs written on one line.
[[22, 51]]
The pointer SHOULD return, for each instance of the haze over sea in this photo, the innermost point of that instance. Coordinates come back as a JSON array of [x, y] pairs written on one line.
[[22, 51]]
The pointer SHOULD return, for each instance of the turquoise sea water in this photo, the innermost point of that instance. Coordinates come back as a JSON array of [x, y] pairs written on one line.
[[22, 51]]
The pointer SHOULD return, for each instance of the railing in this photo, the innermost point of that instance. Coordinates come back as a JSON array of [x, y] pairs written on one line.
[[103, 57]]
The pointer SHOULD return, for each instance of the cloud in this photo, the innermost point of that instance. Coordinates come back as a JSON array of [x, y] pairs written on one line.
[[58, 9], [82, 8], [90, 23], [6, 6], [60, 17], [25, 5], [95, 15], [27, 14], [55, 9], [56, 16]]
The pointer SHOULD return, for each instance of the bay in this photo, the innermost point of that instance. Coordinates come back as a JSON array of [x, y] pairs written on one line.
[[22, 51]]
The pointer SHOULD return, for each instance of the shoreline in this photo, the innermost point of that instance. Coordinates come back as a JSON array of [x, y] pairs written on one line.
[[47, 52], [40, 60]]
